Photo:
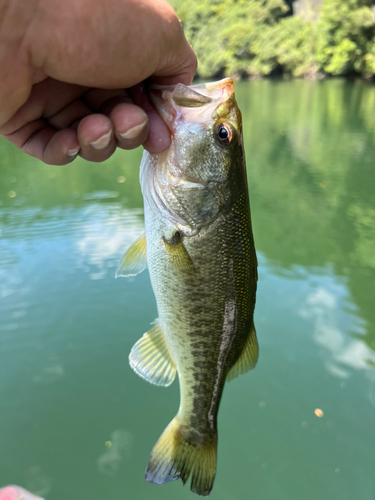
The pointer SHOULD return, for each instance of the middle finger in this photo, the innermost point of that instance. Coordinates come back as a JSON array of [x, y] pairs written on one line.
[[95, 135]]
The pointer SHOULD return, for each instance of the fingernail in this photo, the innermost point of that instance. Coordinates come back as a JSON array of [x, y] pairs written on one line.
[[102, 142], [133, 132], [73, 152]]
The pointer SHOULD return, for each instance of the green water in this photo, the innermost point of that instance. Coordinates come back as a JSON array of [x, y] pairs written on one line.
[[66, 326]]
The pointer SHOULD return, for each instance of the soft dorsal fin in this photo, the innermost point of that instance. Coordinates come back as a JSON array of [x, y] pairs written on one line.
[[151, 359], [248, 357], [134, 261]]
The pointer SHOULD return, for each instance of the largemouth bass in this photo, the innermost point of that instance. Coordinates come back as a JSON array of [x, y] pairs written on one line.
[[199, 248]]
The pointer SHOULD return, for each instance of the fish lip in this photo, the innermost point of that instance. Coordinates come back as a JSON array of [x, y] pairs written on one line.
[[225, 83], [221, 90], [165, 109], [167, 98]]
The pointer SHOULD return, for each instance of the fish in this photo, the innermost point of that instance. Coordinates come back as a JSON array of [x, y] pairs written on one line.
[[199, 248]]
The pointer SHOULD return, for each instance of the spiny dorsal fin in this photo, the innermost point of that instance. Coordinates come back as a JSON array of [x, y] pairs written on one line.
[[151, 359], [248, 357], [134, 261], [178, 256]]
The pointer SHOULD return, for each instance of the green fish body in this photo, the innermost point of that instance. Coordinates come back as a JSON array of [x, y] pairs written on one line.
[[200, 252]]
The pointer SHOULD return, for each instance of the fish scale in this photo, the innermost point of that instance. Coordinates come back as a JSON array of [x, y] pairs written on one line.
[[203, 269]]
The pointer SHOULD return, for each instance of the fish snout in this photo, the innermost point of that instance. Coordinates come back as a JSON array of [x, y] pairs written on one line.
[[193, 105]]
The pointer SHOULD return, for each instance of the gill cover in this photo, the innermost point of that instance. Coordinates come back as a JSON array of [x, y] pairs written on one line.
[[187, 184]]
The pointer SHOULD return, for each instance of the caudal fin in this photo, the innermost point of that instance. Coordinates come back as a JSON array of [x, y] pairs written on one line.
[[176, 457]]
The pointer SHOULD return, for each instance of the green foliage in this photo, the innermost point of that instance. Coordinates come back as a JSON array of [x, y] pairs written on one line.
[[369, 60], [259, 37], [346, 34], [290, 45], [228, 35]]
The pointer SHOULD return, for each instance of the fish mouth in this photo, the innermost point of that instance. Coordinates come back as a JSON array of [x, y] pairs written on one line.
[[220, 91], [195, 103]]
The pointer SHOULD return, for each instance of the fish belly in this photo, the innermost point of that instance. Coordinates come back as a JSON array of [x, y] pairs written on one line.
[[205, 318]]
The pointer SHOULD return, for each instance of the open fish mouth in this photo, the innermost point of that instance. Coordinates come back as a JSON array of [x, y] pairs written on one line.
[[219, 91], [195, 103]]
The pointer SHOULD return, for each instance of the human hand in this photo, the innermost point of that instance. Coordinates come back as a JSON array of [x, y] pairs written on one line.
[[67, 65]]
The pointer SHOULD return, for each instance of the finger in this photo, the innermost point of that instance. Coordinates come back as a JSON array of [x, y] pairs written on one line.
[[16, 82], [159, 137], [21, 136], [38, 140], [62, 148], [96, 138], [183, 70], [72, 113], [95, 98], [51, 147], [180, 62], [38, 76], [130, 125], [45, 143], [42, 103]]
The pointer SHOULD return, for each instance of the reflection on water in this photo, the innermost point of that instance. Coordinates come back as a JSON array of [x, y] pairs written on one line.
[[66, 326], [311, 150], [118, 449], [37, 481], [325, 309]]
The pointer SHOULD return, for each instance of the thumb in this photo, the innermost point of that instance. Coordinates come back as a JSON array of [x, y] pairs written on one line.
[[182, 67]]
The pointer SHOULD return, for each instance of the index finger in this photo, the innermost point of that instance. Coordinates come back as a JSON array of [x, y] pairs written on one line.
[[159, 137]]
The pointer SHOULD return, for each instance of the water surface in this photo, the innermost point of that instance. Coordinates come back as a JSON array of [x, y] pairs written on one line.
[[66, 326]]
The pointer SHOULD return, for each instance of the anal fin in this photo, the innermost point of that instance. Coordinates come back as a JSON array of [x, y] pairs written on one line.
[[151, 359], [248, 357], [134, 260]]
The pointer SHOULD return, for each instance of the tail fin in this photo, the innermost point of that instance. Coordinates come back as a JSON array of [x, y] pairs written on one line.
[[175, 457]]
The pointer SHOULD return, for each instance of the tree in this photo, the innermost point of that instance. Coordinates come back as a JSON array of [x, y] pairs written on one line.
[[260, 37], [346, 41]]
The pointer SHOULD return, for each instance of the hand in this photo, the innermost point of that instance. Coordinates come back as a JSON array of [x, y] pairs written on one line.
[[67, 65]]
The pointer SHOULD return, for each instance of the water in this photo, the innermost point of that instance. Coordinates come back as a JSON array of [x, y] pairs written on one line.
[[66, 326]]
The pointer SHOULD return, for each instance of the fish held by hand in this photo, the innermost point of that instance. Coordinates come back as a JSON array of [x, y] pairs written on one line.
[[199, 248]]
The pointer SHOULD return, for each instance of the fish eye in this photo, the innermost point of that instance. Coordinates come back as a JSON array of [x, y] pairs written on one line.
[[224, 134]]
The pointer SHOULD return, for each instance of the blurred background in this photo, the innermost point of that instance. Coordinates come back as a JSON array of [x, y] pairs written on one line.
[[75, 421], [301, 38]]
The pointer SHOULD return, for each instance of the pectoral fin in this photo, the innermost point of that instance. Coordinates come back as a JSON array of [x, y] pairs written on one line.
[[178, 256], [134, 260], [248, 357], [151, 360]]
